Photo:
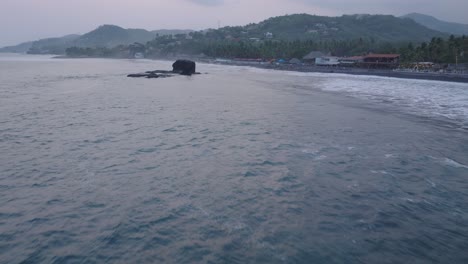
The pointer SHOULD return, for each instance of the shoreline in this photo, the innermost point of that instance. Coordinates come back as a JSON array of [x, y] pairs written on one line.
[[445, 77], [431, 76]]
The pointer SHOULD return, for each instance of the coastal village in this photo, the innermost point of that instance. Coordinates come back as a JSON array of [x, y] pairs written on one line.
[[317, 58], [370, 62], [351, 43], [314, 60], [300, 42]]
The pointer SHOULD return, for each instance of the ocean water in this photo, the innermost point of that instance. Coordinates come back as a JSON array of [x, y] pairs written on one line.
[[237, 165]]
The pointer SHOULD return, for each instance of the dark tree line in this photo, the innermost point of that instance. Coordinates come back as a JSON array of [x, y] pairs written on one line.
[[264, 49], [438, 50]]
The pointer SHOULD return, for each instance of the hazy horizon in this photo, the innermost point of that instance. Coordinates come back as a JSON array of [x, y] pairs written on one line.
[[29, 20]]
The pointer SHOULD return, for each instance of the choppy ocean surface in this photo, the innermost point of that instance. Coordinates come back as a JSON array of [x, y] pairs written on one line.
[[239, 165]]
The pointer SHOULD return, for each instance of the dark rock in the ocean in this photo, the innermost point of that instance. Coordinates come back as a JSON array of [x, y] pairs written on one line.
[[184, 67], [150, 75], [160, 71], [136, 75]]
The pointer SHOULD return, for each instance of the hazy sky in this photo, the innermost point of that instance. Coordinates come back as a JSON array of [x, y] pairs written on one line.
[[23, 20]]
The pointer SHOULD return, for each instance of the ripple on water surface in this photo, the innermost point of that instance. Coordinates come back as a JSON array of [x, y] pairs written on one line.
[[236, 166]]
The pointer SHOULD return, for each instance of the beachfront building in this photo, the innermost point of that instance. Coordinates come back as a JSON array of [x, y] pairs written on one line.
[[422, 66], [380, 61], [312, 57], [351, 61], [247, 61], [458, 68], [327, 61]]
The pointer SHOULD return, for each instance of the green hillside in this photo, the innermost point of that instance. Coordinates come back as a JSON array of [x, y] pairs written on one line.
[[165, 32], [439, 25], [110, 36], [52, 45], [342, 35], [296, 35], [309, 27], [20, 48], [104, 36]]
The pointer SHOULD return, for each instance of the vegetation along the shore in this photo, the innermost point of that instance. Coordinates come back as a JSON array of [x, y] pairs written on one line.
[[438, 50], [283, 37], [294, 36]]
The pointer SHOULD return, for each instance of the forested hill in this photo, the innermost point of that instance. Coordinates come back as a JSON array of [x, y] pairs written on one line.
[[104, 36], [347, 34], [296, 35], [111, 36], [384, 28], [440, 25], [52, 45], [20, 48]]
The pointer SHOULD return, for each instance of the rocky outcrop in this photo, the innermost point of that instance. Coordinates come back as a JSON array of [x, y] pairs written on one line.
[[184, 67], [180, 67], [150, 75]]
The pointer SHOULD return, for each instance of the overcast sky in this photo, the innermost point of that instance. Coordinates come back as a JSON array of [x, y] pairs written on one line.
[[23, 20]]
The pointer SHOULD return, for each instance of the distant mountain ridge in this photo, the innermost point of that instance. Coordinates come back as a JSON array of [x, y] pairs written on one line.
[[103, 36], [384, 28], [374, 28], [294, 36], [52, 45], [20, 48], [110, 35], [439, 25]]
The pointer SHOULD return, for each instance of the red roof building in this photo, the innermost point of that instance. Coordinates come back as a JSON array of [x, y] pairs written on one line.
[[381, 61]]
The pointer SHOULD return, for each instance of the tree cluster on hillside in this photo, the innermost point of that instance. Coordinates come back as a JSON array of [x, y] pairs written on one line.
[[293, 36], [101, 52], [381, 28], [264, 49], [438, 50]]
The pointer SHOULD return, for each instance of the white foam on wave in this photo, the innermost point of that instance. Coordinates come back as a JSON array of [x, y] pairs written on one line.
[[380, 172], [450, 162], [433, 184], [422, 97], [453, 163], [433, 99]]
